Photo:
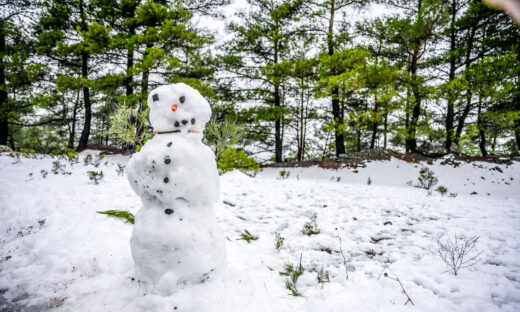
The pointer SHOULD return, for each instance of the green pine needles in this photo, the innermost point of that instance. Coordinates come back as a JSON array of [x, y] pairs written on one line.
[[122, 214], [248, 237]]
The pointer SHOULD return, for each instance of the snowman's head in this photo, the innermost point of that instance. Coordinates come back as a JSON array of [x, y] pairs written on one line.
[[178, 107]]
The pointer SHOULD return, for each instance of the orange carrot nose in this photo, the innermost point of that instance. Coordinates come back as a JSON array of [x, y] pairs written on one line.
[[174, 107]]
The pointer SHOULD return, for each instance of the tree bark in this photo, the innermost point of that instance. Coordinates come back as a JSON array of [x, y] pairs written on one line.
[[277, 126], [469, 94], [411, 140], [336, 110], [4, 125], [481, 129], [374, 126], [517, 133], [450, 115], [385, 130], [72, 134], [83, 140]]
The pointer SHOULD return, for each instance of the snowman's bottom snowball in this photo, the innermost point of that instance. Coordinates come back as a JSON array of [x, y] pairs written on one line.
[[173, 250]]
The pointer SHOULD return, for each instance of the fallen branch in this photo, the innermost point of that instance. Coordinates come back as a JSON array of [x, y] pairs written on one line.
[[402, 287], [342, 254]]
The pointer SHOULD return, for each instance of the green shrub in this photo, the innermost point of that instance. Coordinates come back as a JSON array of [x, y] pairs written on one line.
[[311, 227], [292, 274], [442, 190], [322, 275], [284, 174], [278, 240], [232, 159], [120, 169], [95, 176], [248, 237], [427, 178]]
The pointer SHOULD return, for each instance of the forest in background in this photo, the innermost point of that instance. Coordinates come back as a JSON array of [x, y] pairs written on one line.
[[288, 81]]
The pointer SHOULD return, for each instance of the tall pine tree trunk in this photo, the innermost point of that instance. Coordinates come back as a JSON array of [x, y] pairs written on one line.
[[374, 125], [450, 115], [4, 123], [83, 140], [72, 134], [469, 94], [278, 121], [336, 110], [277, 126], [411, 139], [481, 129]]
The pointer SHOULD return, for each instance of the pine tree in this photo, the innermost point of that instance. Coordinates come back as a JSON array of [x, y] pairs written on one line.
[[261, 42]]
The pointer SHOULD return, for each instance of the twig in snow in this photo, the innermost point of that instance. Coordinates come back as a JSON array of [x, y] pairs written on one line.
[[402, 287], [342, 254]]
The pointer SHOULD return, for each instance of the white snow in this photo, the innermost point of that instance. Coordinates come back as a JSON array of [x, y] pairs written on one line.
[[57, 252]]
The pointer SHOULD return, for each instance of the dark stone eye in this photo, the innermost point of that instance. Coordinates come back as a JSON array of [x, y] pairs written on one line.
[[168, 211], [181, 99], [166, 180], [193, 121], [176, 124], [155, 97], [167, 159]]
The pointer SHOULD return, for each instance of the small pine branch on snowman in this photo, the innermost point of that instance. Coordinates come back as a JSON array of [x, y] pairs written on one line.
[[122, 214], [223, 135], [129, 126], [248, 237]]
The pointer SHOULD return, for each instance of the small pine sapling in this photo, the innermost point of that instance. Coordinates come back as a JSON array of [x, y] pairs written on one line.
[[453, 195], [87, 160], [322, 275], [44, 173], [427, 178], [292, 274], [248, 237], [95, 176], [442, 190], [284, 174], [369, 182], [311, 227], [278, 240], [120, 169]]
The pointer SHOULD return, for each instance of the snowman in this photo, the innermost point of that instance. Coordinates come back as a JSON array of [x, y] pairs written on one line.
[[176, 239]]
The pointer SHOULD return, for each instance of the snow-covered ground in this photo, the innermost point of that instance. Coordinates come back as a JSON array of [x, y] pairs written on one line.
[[57, 253]]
